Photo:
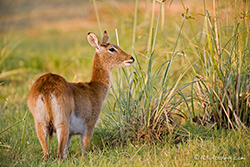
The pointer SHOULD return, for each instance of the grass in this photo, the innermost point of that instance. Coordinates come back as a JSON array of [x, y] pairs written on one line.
[[184, 102], [201, 148], [223, 86]]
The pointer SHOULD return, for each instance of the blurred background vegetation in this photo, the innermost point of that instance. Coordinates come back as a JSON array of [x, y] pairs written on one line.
[[191, 75]]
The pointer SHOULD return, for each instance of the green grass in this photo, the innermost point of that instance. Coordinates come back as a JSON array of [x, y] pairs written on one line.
[[222, 147], [189, 67]]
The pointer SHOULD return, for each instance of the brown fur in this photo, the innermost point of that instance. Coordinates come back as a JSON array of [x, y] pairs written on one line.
[[60, 106]]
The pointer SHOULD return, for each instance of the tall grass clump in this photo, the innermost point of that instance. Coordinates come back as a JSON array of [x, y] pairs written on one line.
[[142, 106], [147, 106], [222, 91]]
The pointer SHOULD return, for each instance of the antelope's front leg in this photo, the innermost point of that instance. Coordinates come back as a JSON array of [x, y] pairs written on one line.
[[85, 138]]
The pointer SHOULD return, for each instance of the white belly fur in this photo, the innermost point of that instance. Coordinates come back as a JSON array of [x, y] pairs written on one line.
[[77, 125]]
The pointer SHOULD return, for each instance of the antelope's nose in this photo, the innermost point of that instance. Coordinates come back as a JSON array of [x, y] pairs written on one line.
[[131, 58]]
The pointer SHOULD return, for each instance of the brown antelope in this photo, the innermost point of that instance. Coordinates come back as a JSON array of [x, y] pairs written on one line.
[[73, 108]]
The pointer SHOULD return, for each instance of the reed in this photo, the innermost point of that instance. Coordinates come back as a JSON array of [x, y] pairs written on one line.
[[223, 84]]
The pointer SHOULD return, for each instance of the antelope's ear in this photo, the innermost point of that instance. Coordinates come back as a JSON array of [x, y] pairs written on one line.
[[105, 38], [93, 40]]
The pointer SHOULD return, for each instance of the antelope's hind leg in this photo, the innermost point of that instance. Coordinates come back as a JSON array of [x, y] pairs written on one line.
[[41, 124], [67, 146], [42, 133], [62, 132], [61, 114]]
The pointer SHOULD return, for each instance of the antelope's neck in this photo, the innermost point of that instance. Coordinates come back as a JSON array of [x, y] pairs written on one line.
[[99, 73]]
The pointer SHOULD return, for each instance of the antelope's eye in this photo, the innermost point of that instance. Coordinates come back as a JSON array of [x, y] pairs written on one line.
[[111, 49]]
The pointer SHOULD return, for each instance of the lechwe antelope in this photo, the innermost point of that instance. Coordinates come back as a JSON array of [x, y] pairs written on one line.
[[73, 108]]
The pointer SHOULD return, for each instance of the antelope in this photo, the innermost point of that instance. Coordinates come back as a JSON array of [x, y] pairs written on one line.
[[73, 108]]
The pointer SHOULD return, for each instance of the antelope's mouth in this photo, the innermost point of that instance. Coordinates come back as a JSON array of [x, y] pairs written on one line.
[[129, 62]]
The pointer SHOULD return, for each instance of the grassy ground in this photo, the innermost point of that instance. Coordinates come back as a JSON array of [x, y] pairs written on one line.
[[190, 65]]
